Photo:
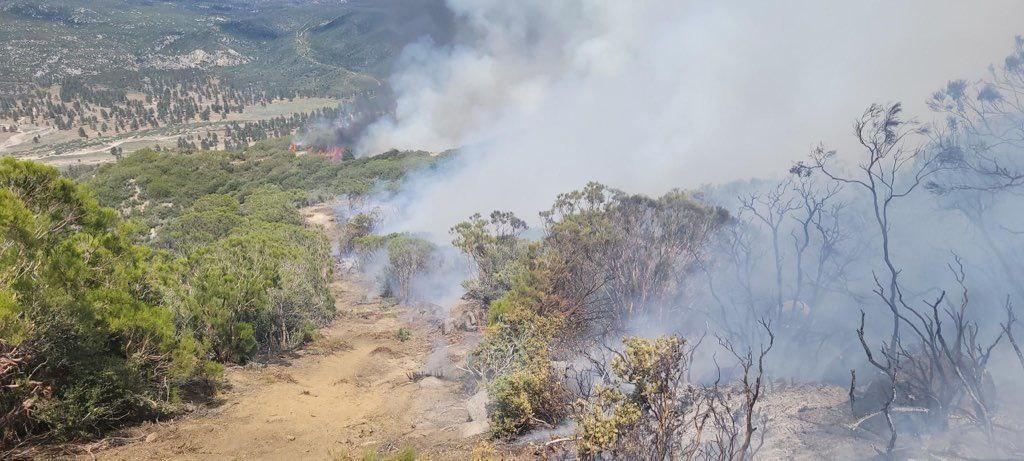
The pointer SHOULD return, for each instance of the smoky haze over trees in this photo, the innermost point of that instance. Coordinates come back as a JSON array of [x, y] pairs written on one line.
[[641, 298], [884, 261]]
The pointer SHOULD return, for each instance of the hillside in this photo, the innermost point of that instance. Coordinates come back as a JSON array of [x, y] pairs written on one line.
[[290, 45], [89, 80]]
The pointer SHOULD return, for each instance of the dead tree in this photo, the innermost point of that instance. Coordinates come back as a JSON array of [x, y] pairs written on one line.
[[1007, 327], [771, 209], [752, 381], [981, 143], [894, 164], [729, 417], [940, 362], [984, 123], [730, 281], [813, 205]]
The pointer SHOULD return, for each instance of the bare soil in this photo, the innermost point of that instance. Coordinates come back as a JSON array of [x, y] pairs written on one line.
[[346, 394]]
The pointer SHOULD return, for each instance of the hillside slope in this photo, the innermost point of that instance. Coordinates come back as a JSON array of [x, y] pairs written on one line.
[[347, 394], [296, 45]]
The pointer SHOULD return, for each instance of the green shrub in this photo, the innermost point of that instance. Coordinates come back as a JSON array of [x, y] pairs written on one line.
[[158, 185], [357, 227], [83, 307], [262, 288], [407, 258], [497, 252], [515, 354], [525, 396], [407, 453]]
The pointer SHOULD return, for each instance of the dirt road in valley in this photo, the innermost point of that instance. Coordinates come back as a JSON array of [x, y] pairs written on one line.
[[348, 393], [23, 137]]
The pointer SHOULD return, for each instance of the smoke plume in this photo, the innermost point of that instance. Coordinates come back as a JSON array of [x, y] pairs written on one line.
[[543, 96]]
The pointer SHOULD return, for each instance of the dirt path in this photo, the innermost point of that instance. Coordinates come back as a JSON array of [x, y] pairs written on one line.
[[345, 395], [23, 137]]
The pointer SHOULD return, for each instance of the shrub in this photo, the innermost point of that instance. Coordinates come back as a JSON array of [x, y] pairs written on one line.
[[525, 397], [261, 288], [81, 312], [407, 257], [358, 226], [647, 409], [496, 251], [515, 356]]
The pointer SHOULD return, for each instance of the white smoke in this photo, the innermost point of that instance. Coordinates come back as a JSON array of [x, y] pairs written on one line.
[[543, 96]]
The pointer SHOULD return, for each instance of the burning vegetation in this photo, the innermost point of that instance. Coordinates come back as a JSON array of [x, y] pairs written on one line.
[[630, 326]]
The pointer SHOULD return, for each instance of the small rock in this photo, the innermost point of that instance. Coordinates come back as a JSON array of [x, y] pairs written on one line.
[[430, 382], [475, 428], [447, 327], [151, 438], [291, 437], [477, 406]]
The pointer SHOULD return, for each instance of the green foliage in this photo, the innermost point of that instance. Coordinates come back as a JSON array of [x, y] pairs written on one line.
[[260, 284], [524, 397], [406, 258], [602, 426], [407, 453], [403, 334], [516, 354], [157, 185], [104, 41], [211, 218], [496, 250], [640, 414], [82, 306], [615, 256], [358, 226], [271, 204], [605, 257]]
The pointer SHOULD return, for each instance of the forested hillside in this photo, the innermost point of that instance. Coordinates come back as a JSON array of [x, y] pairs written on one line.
[[86, 81], [130, 288], [275, 46]]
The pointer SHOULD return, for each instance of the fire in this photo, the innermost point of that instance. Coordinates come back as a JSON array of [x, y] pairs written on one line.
[[334, 153]]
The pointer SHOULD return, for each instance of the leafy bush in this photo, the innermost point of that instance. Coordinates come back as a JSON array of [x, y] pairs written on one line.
[[496, 250], [358, 226], [81, 312], [646, 421], [407, 258], [605, 257], [615, 257], [263, 285], [515, 356]]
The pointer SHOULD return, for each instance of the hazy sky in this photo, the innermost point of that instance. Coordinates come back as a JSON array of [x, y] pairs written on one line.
[[652, 94]]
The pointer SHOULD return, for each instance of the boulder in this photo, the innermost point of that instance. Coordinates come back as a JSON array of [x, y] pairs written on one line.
[[477, 406], [469, 322]]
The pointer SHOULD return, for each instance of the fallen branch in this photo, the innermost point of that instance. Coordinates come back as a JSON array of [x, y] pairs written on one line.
[[864, 418]]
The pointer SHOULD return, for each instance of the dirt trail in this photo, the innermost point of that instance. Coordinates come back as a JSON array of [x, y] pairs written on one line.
[[346, 394], [23, 137]]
